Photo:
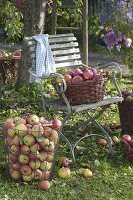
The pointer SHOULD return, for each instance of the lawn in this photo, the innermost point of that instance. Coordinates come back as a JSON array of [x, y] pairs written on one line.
[[112, 178]]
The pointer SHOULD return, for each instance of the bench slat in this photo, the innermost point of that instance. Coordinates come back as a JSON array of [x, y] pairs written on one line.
[[68, 64], [69, 57]]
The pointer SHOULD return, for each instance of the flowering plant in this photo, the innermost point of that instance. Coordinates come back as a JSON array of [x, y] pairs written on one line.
[[116, 27]]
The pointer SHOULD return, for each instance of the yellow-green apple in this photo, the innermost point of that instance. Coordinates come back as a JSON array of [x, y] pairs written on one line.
[[46, 175], [9, 125], [15, 149], [41, 119], [16, 119], [56, 124], [9, 120], [34, 164], [21, 130], [34, 148], [27, 178], [45, 166], [115, 139], [42, 156], [50, 147], [37, 130], [29, 140], [37, 174], [32, 119], [44, 185], [23, 159], [44, 143], [126, 138], [24, 149], [87, 173], [54, 136], [64, 172], [11, 132], [20, 121], [50, 156], [64, 161], [47, 132], [17, 140], [16, 175], [25, 170]]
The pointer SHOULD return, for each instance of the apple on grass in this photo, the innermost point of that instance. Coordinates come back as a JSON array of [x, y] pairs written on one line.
[[44, 185], [64, 161], [87, 173], [25, 170], [102, 142], [64, 172]]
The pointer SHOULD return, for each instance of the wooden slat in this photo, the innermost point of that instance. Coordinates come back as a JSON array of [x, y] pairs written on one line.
[[67, 28], [69, 57], [56, 46], [68, 64], [62, 39], [64, 52]]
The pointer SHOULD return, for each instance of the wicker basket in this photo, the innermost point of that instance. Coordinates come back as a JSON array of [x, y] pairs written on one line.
[[86, 92], [126, 116]]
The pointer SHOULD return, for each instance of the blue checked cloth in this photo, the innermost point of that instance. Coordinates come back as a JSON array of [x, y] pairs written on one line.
[[45, 64]]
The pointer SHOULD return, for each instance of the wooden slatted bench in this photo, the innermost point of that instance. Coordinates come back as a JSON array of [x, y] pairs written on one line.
[[66, 53]]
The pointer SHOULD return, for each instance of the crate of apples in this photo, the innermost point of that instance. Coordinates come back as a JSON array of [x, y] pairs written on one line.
[[31, 143]]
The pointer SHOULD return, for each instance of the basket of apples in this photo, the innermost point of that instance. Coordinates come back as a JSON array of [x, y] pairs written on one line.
[[30, 145], [84, 85], [127, 146], [126, 111]]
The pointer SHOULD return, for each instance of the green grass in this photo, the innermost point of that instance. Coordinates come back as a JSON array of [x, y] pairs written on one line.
[[112, 179]]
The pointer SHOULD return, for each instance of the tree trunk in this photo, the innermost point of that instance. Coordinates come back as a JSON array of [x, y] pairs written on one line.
[[34, 19]]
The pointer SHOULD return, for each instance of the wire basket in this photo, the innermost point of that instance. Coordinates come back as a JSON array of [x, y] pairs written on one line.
[[86, 92], [126, 116], [30, 151]]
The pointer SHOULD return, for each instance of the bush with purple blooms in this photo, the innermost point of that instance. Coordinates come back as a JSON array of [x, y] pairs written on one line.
[[116, 34]]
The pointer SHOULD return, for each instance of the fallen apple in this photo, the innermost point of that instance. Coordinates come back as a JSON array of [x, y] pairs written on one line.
[[102, 142], [87, 173], [126, 138], [64, 161], [64, 172], [44, 185]]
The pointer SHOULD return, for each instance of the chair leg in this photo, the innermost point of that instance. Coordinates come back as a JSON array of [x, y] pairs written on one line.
[[104, 132]]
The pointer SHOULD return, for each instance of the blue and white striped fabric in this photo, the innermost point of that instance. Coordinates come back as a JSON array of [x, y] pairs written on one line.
[[45, 64]]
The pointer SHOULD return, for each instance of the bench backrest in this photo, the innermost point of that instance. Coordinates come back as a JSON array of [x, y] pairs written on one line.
[[65, 49]]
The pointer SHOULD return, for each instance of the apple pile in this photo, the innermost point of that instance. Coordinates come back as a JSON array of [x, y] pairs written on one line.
[[127, 94], [78, 75], [31, 143], [127, 144]]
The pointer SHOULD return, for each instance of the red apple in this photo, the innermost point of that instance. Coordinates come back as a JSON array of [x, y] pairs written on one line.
[[34, 156], [16, 166], [77, 72], [9, 141], [44, 185], [77, 80], [68, 78], [87, 74], [131, 143], [24, 149], [13, 158], [20, 121], [102, 142], [25, 169], [56, 124], [46, 175], [47, 132], [70, 72], [64, 162], [126, 138]]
